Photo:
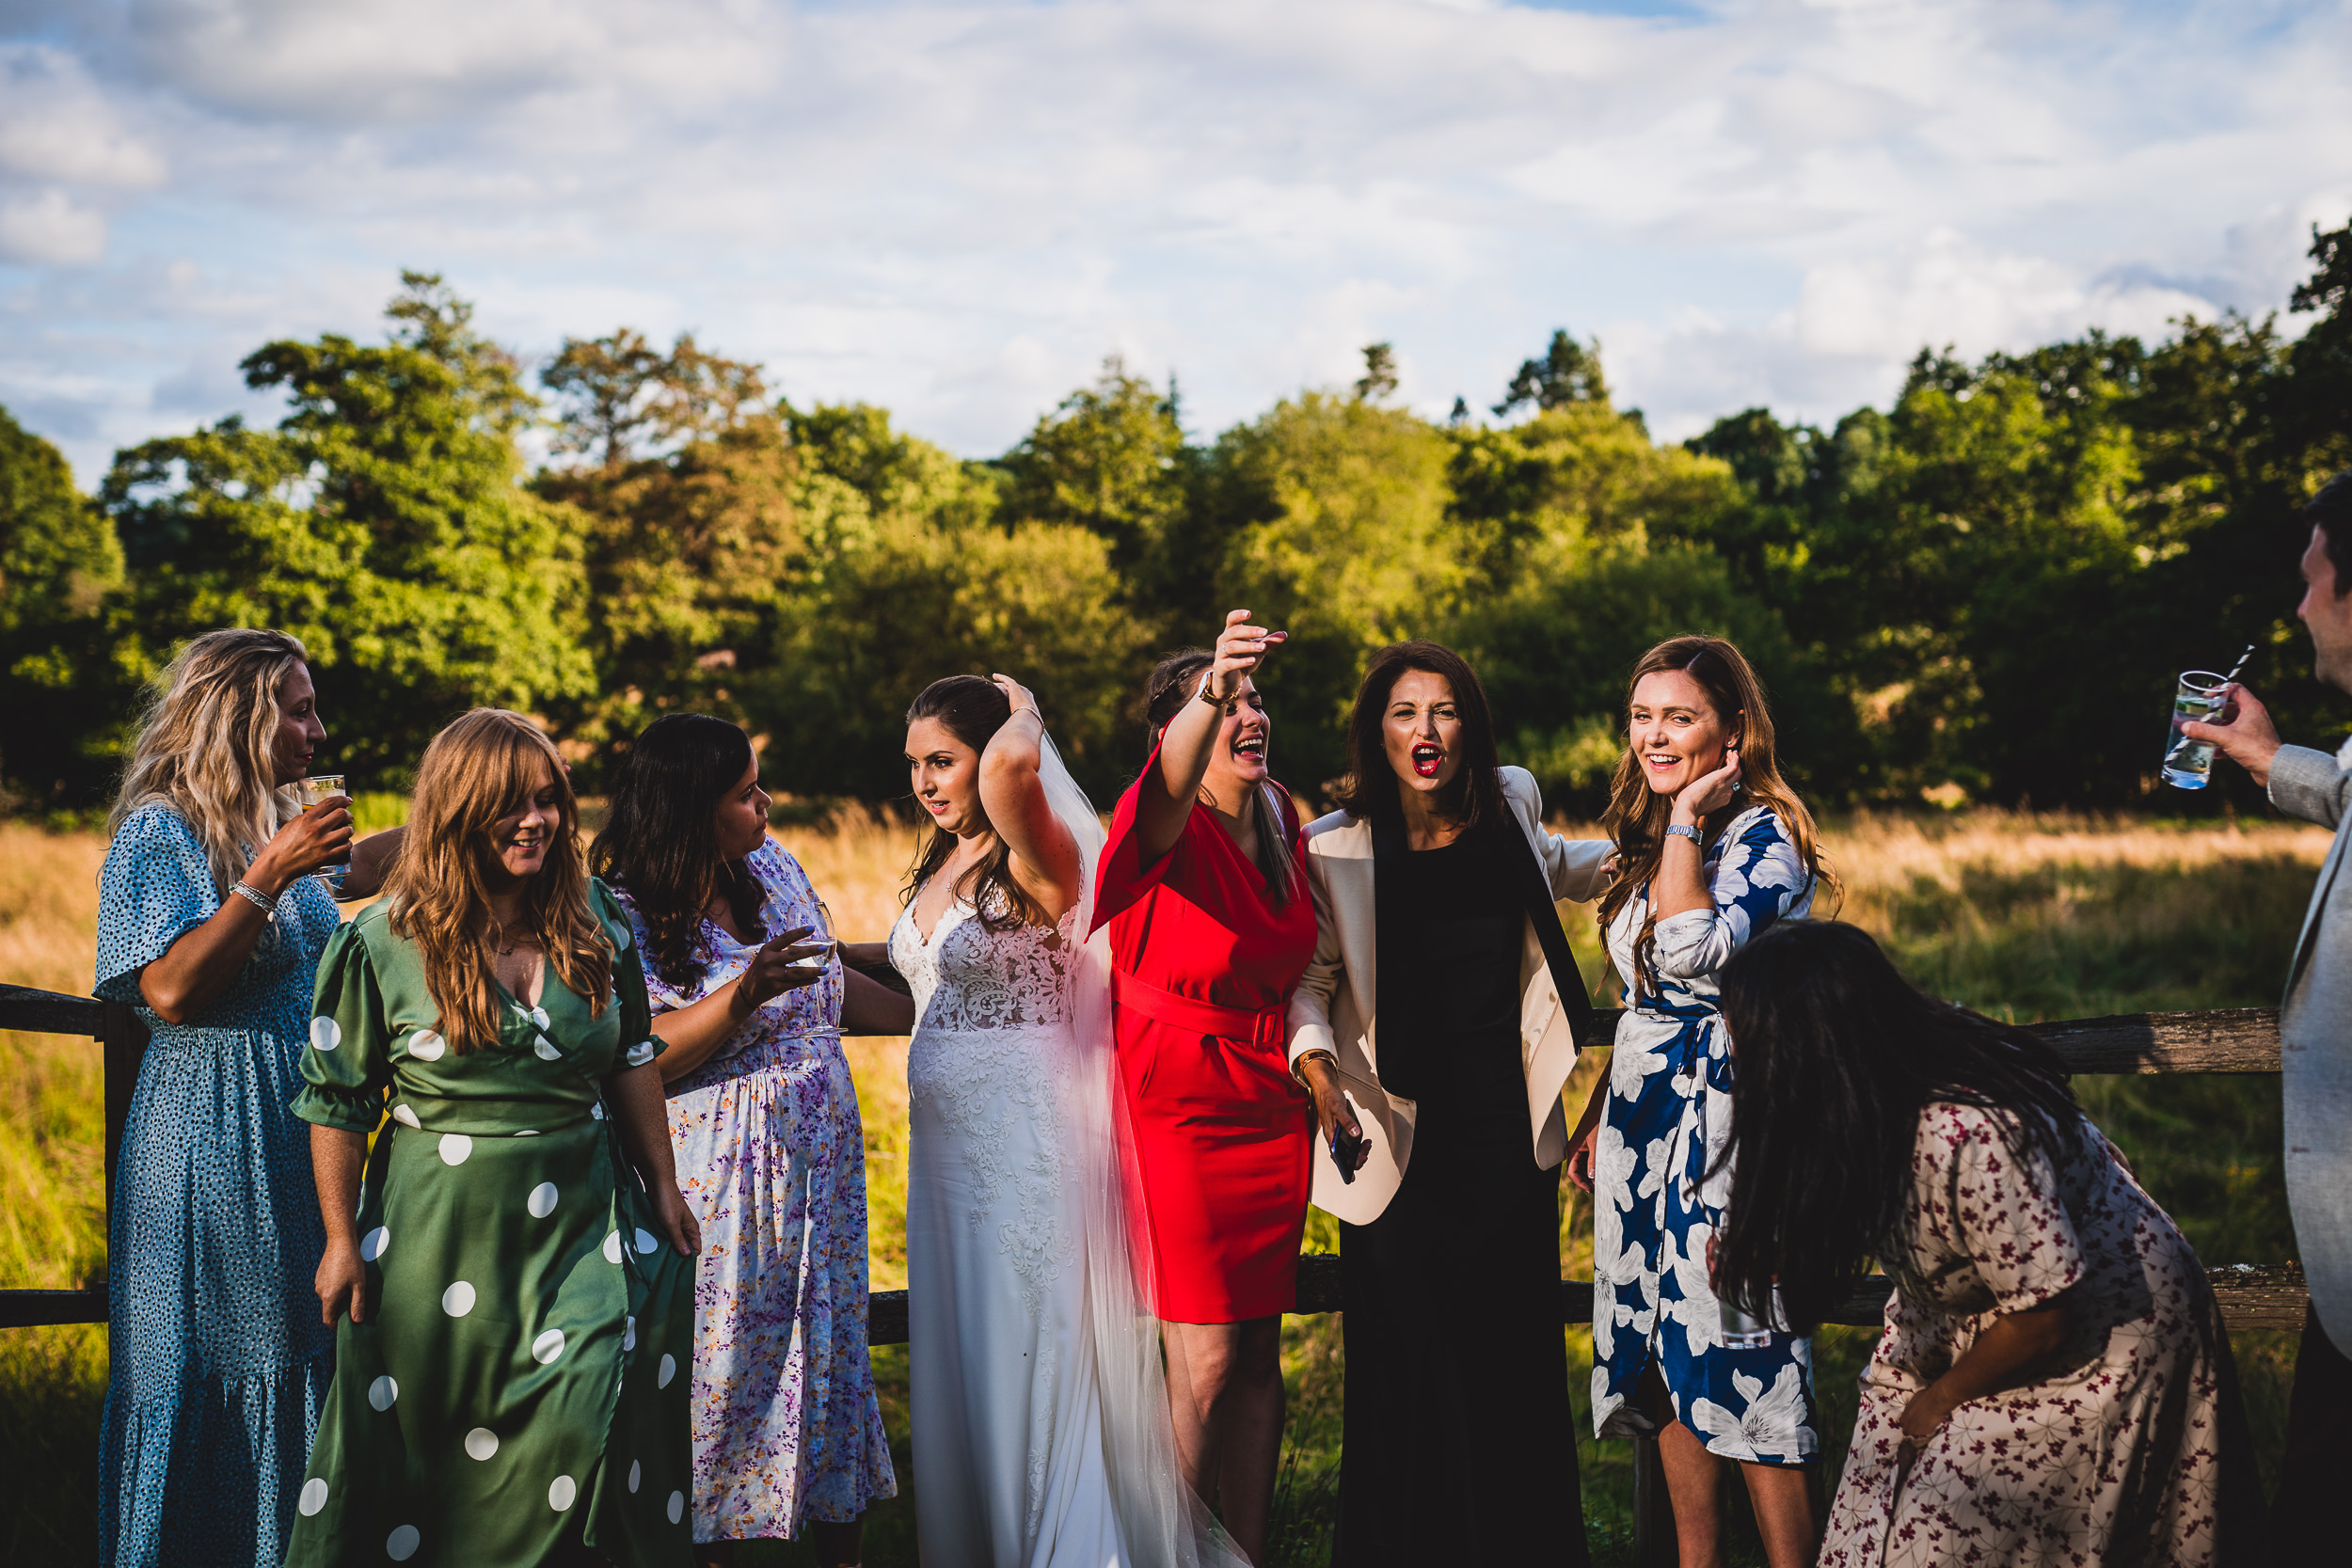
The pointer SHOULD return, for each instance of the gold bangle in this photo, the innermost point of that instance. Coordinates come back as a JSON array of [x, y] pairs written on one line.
[[1298, 1073]]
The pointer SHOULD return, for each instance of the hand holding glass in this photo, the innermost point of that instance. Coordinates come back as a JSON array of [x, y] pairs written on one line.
[[2201, 696], [314, 791], [820, 940]]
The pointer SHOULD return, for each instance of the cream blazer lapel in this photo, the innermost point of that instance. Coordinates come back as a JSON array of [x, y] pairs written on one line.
[[1336, 1008]]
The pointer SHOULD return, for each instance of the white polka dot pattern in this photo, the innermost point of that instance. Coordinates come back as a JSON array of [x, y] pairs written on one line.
[[545, 1050], [383, 1391], [314, 1496], [481, 1443], [678, 1505], [628, 1334], [636, 1474], [406, 1115], [542, 1200], [545, 1349], [402, 1544], [639, 1053], [457, 1299], [456, 1148], [646, 1241], [669, 1370], [561, 1492], [371, 1245], [325, 1034], [426, 1046], [613, 1247]]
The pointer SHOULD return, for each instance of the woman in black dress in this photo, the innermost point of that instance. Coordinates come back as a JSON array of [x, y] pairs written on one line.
[[1439, 876]]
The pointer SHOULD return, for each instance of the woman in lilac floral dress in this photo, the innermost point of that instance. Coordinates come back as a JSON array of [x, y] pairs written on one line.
[[2053, 1386], [787, 1433]]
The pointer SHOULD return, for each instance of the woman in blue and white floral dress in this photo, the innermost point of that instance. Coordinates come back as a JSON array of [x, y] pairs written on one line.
[[1712, 848]]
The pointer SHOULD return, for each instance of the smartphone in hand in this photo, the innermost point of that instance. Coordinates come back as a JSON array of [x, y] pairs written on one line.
[[1347, 1152]]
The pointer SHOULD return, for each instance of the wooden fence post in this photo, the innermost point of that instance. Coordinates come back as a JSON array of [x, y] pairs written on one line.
[[123, 1039]]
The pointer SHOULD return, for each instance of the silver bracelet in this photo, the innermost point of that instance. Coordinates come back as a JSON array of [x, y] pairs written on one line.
[[254, 895], [1676, 829]]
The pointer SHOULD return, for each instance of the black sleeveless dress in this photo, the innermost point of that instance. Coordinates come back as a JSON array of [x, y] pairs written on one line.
[[1458, 1439]]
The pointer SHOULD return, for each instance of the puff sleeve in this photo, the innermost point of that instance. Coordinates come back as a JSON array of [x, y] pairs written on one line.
[[638, 1043], [347, 1063], [156, 887]]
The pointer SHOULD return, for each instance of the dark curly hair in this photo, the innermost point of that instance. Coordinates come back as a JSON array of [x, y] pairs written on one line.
[[660, 845]]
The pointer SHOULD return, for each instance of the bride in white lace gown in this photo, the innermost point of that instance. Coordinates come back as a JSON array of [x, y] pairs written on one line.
[[1041, 1428]]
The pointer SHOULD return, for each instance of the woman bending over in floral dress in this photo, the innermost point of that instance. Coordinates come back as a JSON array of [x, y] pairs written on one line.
[[787, 1435], [1712, 847], [2053, 1386]]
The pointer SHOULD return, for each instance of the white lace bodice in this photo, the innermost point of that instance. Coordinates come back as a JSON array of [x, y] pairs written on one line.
[[968, 978]]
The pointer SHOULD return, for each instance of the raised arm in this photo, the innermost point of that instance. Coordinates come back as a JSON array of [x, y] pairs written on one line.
[[1045, 856], [1165, 801]]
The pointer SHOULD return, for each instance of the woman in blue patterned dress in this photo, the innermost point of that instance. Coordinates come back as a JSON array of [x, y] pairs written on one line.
[[1712, 847], [788, 1437], [210, 924]]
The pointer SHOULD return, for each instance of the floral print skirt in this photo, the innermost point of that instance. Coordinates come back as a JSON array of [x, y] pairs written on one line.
[[771, 1155], [1747, 1395]]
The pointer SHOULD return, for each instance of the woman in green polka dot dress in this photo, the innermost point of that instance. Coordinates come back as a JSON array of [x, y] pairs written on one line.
[[511, 1382]]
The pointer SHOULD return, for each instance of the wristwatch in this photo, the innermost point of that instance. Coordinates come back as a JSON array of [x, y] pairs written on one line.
[[1676, 829]]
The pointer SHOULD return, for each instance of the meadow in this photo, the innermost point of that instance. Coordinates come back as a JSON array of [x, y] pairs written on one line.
[[2025, 916]]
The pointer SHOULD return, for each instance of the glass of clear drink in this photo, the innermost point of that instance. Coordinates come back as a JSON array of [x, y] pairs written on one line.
[[2201, 695], [821, 931], [312, 790]]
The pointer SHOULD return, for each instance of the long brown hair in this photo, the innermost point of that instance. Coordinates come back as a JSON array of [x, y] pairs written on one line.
[[659, 845], [971, 710], [1637, 816], [475, 771], [1370, 791], [206, 746], [1174, 680]]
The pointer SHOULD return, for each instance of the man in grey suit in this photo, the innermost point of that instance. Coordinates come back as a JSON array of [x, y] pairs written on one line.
[[2315, 1039]]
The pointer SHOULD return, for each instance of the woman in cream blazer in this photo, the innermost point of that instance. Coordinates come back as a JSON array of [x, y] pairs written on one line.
[[1438, 871]]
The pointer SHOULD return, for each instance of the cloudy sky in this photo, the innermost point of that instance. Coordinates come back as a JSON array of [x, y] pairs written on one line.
[[956, 210]]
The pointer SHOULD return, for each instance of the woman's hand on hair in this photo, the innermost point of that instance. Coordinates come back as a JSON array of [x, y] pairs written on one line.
[[1021, 697], [776, 968], [1703, 796], [1240, 648], [319, 837]]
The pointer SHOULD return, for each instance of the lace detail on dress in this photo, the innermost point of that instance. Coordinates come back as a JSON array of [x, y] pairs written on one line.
[[969, 978]]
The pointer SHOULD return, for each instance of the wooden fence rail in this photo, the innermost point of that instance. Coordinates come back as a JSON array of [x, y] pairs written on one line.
[[2243, 1039]]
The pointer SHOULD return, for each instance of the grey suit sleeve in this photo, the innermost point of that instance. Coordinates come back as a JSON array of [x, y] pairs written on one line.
[[2309, 785]]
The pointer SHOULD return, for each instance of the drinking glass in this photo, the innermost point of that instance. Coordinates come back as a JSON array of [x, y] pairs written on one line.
[[311, 791], [820, 931], [2201, 695]]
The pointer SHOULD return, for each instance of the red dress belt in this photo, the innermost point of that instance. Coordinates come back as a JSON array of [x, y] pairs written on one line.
[[1264, 1029]]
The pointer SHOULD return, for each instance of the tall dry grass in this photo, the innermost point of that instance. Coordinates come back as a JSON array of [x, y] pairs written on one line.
[[2028, 916]]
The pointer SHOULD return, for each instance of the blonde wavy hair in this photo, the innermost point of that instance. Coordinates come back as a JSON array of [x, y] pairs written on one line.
[[482, 768], [1637, 816], [206, 746]]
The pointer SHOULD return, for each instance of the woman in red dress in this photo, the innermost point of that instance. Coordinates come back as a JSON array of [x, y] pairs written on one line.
[[1204, 894]]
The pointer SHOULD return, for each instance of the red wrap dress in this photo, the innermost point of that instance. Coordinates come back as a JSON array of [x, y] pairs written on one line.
[[1203, 963]]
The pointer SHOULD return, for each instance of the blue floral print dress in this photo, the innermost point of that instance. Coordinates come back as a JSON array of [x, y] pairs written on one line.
[[771, 1154], [1748, 1395]]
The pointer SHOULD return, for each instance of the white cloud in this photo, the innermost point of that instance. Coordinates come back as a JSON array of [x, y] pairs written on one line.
[[48, 229], [957, 207]]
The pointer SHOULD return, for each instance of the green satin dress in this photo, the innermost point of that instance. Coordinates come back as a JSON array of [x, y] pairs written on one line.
[[521, 1383]]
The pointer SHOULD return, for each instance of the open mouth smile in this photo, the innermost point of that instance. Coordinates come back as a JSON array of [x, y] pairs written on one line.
[[1428, 758], [1251, 748], [1663, 762]]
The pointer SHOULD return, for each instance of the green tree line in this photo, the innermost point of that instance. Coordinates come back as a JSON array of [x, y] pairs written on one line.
[[1980, 593]]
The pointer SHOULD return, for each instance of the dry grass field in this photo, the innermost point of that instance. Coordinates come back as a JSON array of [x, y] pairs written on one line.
[[2025, 916]]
